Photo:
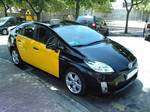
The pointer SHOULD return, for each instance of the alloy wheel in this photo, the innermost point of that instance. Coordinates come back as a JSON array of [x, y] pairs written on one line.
[[73, 82], [4, 32], [15, 57]]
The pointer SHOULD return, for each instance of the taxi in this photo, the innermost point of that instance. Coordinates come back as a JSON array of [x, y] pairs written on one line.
[[77, 54]]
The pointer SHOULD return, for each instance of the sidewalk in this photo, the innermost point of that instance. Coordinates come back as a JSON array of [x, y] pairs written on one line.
[[132, 24], [22, 92], [135, 28]]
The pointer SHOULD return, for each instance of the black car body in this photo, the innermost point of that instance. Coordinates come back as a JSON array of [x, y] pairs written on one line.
[[78, 52], [6, 22], [94, 22]]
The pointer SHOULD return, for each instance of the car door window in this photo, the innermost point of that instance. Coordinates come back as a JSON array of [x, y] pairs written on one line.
[[44, 34], [53, 41], [28, 31]]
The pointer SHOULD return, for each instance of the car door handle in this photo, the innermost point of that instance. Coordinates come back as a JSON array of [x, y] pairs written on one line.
[[35, 48], [19, 40]]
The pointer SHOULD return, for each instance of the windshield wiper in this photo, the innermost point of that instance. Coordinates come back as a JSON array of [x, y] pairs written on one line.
[[81, 45], [95, 42]]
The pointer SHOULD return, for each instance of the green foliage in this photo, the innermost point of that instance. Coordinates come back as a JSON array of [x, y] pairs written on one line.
[[103, 7], [6, 4], [44, 5], [99, 5], [145, 6], [37, 6]]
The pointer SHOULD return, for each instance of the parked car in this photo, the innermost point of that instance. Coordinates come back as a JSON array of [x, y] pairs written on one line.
[[79, 55], [6, 22], [146, 31], [55, 21], [94, 22]]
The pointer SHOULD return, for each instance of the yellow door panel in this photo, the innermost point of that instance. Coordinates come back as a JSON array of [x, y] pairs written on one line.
[[45, 59], [22, 45]]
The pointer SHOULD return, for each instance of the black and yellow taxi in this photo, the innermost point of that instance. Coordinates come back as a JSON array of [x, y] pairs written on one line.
[[79, 55]]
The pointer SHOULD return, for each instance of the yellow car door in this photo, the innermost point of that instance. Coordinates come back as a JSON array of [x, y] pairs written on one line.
[[44, 58], [24, 42]]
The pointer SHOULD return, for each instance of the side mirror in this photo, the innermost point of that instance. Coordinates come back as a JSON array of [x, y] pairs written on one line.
[[54, 47]]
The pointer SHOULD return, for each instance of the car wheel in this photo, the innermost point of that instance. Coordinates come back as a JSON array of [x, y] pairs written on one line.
[[75, 82], [4, 32], [16, 57], [146, 38], [144, 32], [107, 33]]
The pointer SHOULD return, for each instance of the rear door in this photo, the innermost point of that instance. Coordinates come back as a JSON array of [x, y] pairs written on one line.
[[24, 40]]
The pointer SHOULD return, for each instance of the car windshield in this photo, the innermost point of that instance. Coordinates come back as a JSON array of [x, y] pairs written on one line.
[[99, 20], [3, 19], [78, 35]]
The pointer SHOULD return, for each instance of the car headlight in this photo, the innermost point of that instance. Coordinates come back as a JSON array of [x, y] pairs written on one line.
[[99, 66]]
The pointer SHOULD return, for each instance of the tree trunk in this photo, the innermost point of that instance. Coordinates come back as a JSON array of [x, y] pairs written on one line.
[[38, 16], [127, 20], [77, 8], [5, 10]]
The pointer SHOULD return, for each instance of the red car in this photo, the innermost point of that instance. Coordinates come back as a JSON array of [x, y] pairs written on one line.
[[95, 23]]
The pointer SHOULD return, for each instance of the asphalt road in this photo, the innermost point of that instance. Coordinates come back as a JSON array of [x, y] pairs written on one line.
[[28, 89]]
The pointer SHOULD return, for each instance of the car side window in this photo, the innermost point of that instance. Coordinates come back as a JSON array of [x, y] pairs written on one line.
[[28, 31], [43, 34]]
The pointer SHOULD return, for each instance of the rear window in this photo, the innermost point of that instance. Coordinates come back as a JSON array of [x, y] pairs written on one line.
[[99, 20], [84, 20]]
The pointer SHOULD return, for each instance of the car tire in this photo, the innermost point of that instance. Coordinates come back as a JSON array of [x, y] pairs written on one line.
[[144, 33], [4, 32], [74, 82], [146, 38], [16, 57], [107, 33]]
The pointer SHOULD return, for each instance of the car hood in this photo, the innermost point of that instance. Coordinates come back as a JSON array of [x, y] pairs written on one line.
[[109, 52]]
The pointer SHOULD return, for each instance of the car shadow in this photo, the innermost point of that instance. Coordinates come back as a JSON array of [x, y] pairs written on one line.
[[4, 53], [93, 100]]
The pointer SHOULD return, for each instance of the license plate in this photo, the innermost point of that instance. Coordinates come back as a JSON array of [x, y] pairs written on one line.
[[131, 74]]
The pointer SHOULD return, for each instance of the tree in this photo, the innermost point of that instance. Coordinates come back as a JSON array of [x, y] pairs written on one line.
[[6, 5], [77, 8], [38, 6], [105, 7], [128, 9], [94, 4], [145, 8]]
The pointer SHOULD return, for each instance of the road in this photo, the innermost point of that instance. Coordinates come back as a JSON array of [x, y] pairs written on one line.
[[28, 89]]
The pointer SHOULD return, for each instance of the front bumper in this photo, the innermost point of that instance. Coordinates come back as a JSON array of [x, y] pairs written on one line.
[[120, 83]]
